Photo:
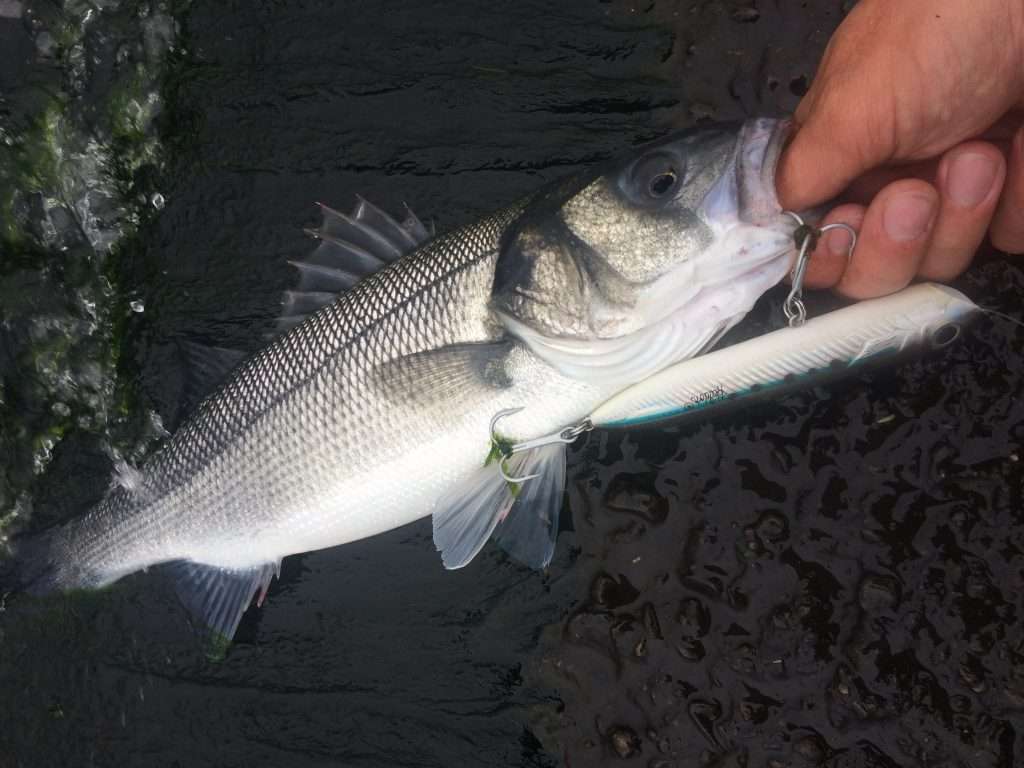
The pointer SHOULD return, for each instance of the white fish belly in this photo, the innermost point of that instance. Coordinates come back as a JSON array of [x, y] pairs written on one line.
[[308, 496]]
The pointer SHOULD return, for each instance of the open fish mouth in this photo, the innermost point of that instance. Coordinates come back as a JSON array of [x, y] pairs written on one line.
[[760, 147]]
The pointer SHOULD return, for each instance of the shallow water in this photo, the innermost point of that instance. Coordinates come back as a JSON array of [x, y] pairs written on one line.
[[832, 579]]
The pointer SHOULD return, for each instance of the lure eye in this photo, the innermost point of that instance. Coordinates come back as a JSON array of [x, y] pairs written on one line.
[[945, 335], [656, 178]]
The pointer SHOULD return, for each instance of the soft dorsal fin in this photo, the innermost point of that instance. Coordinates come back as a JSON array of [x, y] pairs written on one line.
[[205, 368], [352, 246]]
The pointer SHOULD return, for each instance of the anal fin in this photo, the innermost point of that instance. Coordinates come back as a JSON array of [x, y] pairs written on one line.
[[219, 596]]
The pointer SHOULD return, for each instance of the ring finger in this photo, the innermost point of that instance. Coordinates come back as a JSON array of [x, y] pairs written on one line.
[[970, 179]]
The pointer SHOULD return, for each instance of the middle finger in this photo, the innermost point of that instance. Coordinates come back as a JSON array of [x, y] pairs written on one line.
[[892, 241]]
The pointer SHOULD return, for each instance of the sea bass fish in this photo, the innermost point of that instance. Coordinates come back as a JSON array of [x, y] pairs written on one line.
[[375, 410]]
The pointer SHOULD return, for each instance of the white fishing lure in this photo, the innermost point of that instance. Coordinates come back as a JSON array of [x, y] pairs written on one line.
[[922, 314]]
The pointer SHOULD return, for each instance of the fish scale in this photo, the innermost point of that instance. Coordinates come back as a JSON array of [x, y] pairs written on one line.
[[220, 455]]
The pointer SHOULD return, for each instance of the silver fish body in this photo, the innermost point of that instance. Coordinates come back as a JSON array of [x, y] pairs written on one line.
[[375, 411], [315, 441]]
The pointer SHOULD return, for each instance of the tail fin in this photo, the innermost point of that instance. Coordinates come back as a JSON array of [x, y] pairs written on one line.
[[34, 568]]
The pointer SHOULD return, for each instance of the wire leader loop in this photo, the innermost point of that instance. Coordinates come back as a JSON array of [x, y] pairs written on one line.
[[806, 238]]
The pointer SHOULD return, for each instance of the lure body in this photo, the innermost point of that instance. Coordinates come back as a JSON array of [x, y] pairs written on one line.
[[829, 344]]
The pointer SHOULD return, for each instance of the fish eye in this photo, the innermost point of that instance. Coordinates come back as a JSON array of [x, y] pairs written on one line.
[[662, 183], [656, 177]]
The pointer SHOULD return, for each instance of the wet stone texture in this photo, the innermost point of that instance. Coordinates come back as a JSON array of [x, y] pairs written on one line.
[[833, 578]]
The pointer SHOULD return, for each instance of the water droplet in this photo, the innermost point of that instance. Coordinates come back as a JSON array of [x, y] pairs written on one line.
[[137, 306], [746, 15], [157, 201]]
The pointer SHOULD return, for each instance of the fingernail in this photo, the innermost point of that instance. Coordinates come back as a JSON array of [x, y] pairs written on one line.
[[907, 217], [970, 178]]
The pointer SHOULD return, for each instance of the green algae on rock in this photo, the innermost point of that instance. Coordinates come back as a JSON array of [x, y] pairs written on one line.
[[80, 156]]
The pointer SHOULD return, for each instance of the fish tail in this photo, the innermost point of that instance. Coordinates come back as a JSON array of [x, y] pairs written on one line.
[[39, 565]]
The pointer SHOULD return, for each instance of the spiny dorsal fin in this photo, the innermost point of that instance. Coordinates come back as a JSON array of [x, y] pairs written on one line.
[[352, 247]]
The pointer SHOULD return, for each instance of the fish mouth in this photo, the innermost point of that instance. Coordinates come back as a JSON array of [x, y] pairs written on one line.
[[760, 146]]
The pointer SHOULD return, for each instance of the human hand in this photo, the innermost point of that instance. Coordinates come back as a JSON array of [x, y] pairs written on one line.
[[916, 115]]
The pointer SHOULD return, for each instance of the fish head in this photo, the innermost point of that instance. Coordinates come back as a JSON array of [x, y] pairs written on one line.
[[651, 258]]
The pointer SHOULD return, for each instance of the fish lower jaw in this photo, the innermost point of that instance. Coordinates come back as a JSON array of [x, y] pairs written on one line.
[[740, 278]]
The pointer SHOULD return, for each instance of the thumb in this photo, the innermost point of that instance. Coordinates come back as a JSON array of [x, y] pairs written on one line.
[[819, 162]]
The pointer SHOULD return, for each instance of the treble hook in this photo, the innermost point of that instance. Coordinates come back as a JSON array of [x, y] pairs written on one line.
[[506, 449], [807, 238]]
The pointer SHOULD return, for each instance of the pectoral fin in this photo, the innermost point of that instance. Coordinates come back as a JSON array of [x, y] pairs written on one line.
[[523, 517], [449, 372]]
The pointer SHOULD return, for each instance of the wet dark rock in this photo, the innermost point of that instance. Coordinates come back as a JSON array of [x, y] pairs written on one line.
[[624, 741], [694, 618], [746, 14], [651, 622], [811, 749], [608, 592], [756, 707], [878, 593], [772, 527], [628, 637], [636, 495], [691, 649]]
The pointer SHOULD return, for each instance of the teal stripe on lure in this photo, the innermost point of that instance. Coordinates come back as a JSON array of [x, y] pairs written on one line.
[[754, 389]]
